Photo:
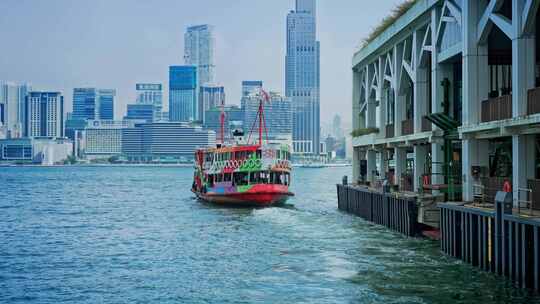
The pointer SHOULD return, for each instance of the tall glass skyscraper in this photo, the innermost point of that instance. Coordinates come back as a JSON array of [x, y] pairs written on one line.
[[13, 107], [93, 104], [106, 104], [45, 114], [210, 96], [199, 44], [277, 115], [302, 76], [183, 93], [199, 51], [151, 94]]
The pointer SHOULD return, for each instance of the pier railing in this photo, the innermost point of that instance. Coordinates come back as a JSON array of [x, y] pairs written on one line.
[[493, 240], [397, 213]]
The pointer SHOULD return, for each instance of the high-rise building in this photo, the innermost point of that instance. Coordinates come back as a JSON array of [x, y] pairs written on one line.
[[277, 116], [93, 104], [140, 112], [251, 87], [151, 94], [13, 107], [183, 93], [199, 51], [233, 115], [44, 114], [165, 142], [210, 96], [106, 104], [302, 76], [103, 138]]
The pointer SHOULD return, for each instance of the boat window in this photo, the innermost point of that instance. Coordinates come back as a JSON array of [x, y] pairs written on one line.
[[259, 153], [265, 176], [227, 177], [275, 178], [254, 178], [241, 179], [219, 178], [211, 180]]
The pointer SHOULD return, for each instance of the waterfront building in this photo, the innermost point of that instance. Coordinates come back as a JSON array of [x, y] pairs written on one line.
[[210, 96], [302, 76], [165, 142], [93, 104], [183, 93], [199, 44], [45, 151], [103, 138], [448, 95], [141, 112], [251, 87], [277, 116], [44, 114], [151, 94], [13, 107], [234, 118]]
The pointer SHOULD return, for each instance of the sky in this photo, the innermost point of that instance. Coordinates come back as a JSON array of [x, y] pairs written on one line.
[[62, 44]]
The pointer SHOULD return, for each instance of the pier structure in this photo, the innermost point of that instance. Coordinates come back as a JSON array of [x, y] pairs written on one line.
[[446, 111]]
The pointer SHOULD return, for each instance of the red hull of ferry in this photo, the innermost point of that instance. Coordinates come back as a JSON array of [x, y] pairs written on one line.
[[258, 196]]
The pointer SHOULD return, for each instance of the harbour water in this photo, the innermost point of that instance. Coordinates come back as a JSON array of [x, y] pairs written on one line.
[[137, 235]]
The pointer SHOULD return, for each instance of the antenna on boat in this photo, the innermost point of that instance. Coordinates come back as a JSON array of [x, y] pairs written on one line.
[[263, 97]]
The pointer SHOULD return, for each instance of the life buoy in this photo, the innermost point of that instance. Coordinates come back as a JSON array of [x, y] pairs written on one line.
[[507, 187]]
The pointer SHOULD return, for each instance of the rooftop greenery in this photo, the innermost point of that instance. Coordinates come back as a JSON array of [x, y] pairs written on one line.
[[387, 21]]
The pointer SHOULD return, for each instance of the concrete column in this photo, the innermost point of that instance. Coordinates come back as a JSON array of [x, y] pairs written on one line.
[[383, 163], [523, 61], [399, 114], [475, 65], [420, 84], [356, 102], [356, 165], [371, 98], [400, 157], [420, 157], [399, 109], [523, 162], [475, 153], [371, 165], [436, 77], [420, 99]]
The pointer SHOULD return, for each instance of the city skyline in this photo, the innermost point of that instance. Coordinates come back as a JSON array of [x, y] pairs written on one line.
[[145, 52]]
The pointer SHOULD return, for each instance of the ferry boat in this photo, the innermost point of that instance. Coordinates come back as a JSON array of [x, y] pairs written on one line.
[[244, 173]]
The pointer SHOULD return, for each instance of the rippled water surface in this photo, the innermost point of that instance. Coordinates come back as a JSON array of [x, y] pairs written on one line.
[[137, 235]]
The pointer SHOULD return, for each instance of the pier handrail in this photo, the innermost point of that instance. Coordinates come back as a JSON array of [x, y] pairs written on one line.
[[479, 191]]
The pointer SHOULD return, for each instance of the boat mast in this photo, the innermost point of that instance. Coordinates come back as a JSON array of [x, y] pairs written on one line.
[[263, 97], [222, 123]]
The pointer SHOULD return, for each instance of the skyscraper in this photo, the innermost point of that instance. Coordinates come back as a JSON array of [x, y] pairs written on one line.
[[210, 96], [151, 94], [45, 114], [277, 116], [183, 93], [93, 104], [13, 107], [199, 51], [302, 76], [106, 104]]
